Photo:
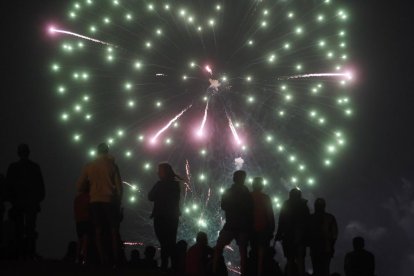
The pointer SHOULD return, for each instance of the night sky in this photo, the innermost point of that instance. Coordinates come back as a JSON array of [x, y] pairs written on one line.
[[371, 191]]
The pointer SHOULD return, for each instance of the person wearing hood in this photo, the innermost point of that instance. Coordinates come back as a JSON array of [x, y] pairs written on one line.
[[292, 230], [102, 178]]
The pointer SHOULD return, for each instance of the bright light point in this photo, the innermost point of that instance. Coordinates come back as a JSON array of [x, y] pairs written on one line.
[[286, 46], [250, 99], [61, 89], [147, 166], [88, 117], [128, 86], [322, 43], [280, 148], [128, 154], [202, 177], [331, 149], [321, 121], [291, 15], [148, 44], [311, 181], [327, 162], [320, 18], [299, 30], [192, 64], [158, 104], [158, 32], [250, 42], [128, 16], [168, 141], [195, 206], [167, 7], [185, 77], [141, 138], [302, 167], [203, 152], [292, 158], [211, 22], [264, 24], [76, 137], [138, 65], [132, 198], [92, 153], [249, 78], [221, 191], [348, 112], [218, 7], [51, 29], [281, 113], [131, 104]]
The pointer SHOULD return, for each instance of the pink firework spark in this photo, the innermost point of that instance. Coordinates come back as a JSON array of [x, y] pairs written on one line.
[[208, 69], [52, 30]]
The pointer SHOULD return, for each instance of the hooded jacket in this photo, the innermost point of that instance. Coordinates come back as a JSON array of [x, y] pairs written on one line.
[[102, 176]]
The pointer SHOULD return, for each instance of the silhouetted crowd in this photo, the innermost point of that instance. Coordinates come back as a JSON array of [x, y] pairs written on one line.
[[249, 220]]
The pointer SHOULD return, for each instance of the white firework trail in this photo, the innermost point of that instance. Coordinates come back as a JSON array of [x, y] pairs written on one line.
[[53, 30], [203, 123], [234, 131], [188, 176], [347, 75], [154, 139], [133, 187]]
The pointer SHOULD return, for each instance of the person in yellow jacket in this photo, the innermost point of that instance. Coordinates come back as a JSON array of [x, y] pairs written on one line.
[[103, 179]]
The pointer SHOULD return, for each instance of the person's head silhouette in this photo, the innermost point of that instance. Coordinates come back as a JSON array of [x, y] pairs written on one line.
[[358, 243], [166, 172], [23, 151], [320, 205], [295, 194], [202, 238], [239, 177], [103, 149], [258, 184]]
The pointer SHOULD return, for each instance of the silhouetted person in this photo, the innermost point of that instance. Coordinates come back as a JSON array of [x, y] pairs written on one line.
[[237, 204], [180, 257], [26, 191], [292, 227], [359, 262], [135, 260], [83, 224], [105, 190], [149, 261], [323, 233], [198, 257], [166, 197], [264, 223]]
